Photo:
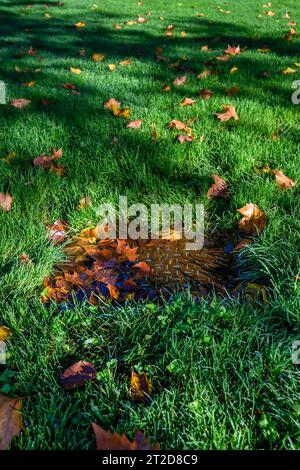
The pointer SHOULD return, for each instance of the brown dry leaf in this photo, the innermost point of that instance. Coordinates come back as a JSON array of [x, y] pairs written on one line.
[[77, 374], [229, 113], [11, 422], [205, 94], [85, 202], [5, 333], [184, 138], [166, 88], [231, 91], [180, 81], [142, 266], [218, 188], [187, 102], [140, 387], [135, 124], [204, 48], [20, 103], [107, 440], [56, 232], [283, 181], [97, 57], [124, 249], [254, 220], [6, 201], [242, 243], [45, 161], [233, 50], [269, 13], [179, 125]]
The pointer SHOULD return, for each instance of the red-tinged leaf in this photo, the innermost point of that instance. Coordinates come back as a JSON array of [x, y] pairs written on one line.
[[24, 258], [184, 138], [206, 94], [218, 189], [31, 51], [43, 161], [77, 375], [11, 422], [56, 232], [20, 103], [283, 181], [231, 91], [135, 124], [179, 125], [107, 440], [254, 220], [229, 113], [69, 86], [6, 201], [142, 266], [180, 81], [57, 154], [232, 50]]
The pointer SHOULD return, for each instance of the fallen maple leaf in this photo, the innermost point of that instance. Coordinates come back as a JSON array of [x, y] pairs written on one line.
[[179, 125], [180, 81], [107, 440], [45, 161], [140, 387], [205, 94], [229, 113], [11, 423], [283, 181], [5, 333], [20, 103], [135, 124], [254, 220], [6, 201], [97, 57], [77, 374], [218, 188], [124, 249], [232, 50], [187, 102], [142, 266]]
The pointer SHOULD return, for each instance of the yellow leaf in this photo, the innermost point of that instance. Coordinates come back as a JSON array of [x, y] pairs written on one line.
[[97, 57], [75, 70], [30, 84], [297, 64], [140, 387], [288, 71], [112, 67], [125, 62], [9, 157], [234, 69], [4, 333], [80, 24]]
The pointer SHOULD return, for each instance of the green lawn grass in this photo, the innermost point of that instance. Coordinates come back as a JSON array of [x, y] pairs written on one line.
[[222, 371]]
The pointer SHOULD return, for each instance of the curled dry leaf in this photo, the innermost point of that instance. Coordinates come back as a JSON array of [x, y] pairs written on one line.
[[6, 201], [205, 94], [56, 232], [218, 189], [187, 102], [77, 374], [107, 440], [283, 181], [20, 103], [180, 81], [135, 124], [229, 113], [140, 387], [254, 220], [123, 248], [179, 125], [142, 266], [11, 422]]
